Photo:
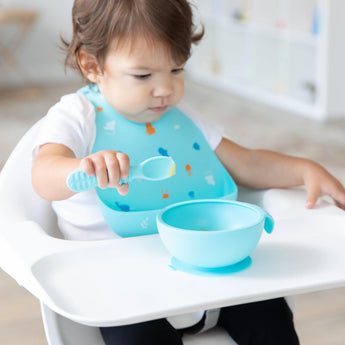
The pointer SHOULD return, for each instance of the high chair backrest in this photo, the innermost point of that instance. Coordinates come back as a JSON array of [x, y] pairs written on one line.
[[17, 197]]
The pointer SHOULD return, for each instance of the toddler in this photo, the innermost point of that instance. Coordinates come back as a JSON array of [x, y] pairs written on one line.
[[132, 55]]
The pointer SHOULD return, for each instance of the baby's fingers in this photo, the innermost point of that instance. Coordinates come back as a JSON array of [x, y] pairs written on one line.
[[87, 166], [338, 195], [95, 165], [118, 167], [313, 194], [332, 188], [123, 160], [340, 205], [101, 171]]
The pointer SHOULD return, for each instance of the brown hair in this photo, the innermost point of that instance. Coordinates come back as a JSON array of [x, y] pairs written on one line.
[[96, 23]]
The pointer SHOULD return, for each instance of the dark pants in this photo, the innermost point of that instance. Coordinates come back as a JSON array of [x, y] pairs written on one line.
[[261, 323]]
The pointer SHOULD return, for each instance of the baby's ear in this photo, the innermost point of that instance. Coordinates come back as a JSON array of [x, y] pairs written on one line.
[[89, 66]]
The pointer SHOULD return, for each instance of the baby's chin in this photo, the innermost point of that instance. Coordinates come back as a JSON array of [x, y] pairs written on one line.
[[146, 117]]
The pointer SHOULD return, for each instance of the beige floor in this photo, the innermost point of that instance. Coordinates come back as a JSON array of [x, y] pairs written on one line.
[[320, 317]]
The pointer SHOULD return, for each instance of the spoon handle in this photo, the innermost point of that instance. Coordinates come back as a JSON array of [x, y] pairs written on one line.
[[79, 181]]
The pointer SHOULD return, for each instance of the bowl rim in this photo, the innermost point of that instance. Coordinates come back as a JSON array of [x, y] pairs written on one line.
[[256, 208]]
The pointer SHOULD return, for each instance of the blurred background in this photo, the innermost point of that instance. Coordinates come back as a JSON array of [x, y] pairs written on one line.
[[30, 40], [269, 73]]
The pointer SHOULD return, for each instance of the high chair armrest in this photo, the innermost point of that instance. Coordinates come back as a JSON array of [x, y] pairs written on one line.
[[281, 203], [24, 243], [274, 200], [18, 244]]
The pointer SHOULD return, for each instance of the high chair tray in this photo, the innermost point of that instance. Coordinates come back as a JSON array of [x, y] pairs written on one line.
[[130, 280]]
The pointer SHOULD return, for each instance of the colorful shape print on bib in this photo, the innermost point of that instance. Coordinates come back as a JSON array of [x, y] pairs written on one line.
[[199, 173], [162, 151], [150, 130], [196, 146], [189, 169]]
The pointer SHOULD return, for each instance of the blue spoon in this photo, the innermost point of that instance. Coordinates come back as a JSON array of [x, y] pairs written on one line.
[[152, 169]]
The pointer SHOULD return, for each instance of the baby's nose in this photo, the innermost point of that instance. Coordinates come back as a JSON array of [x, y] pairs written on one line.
[[163, 89]]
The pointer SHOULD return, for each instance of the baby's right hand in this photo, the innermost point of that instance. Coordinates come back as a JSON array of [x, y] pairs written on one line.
[[109, 167]]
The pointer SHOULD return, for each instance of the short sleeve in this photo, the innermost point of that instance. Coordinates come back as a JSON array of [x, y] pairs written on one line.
[[70, 122]]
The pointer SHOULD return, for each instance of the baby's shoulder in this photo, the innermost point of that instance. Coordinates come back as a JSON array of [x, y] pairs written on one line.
[[74, 106], [76, 101]]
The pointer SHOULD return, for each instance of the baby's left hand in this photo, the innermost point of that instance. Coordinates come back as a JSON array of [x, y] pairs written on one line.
[[319, 182]]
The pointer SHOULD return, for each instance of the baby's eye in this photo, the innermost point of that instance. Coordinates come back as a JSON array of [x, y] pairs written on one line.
[[177, 70], [142, 76]]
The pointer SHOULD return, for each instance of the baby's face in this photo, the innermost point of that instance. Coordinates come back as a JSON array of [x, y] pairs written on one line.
[[141, 82]]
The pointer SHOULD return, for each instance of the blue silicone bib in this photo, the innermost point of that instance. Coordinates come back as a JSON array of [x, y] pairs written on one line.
[[199, 173]]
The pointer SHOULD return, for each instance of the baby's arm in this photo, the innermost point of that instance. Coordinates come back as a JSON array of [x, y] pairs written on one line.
[[268, 169], [54, 162]]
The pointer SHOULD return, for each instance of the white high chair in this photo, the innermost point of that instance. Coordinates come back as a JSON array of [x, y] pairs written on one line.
[[45, 265]]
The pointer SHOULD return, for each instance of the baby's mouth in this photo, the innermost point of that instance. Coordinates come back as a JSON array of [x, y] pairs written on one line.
[[159, 109]]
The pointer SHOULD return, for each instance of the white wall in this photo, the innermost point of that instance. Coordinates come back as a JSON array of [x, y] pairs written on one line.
[[40, 53]]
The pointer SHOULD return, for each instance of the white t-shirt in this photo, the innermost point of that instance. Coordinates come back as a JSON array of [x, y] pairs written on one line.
[[71, 122]]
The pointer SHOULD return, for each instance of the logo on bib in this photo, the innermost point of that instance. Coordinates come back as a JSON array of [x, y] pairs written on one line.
[[145, 223], [110, 126], [210, 179]]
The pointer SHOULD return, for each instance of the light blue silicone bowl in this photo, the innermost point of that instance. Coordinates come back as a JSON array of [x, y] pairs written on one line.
[[212, 233]]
